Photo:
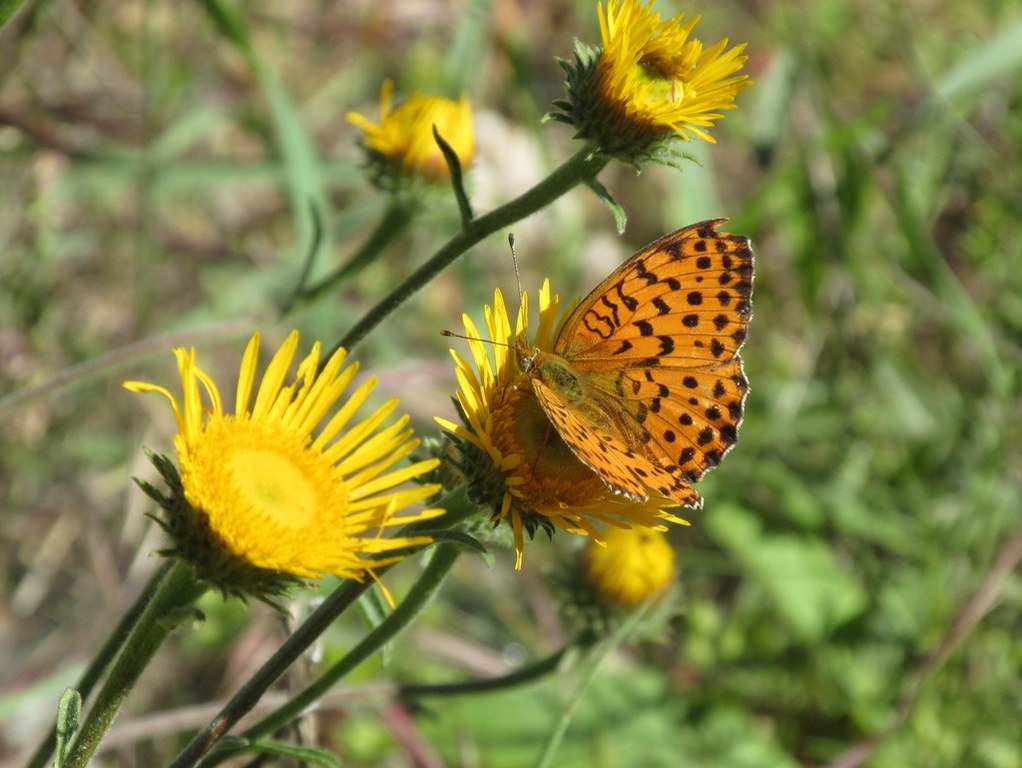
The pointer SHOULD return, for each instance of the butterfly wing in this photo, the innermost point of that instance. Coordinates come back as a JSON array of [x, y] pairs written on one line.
[[656, 347], [592, 438]]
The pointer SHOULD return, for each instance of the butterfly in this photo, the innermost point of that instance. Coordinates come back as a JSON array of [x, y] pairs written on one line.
[[645, 383]]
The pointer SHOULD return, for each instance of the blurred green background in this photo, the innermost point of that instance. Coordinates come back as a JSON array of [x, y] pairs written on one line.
[[850, 594]]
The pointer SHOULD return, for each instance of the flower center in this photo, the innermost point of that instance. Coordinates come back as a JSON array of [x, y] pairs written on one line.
[[268, 497], [554, 477], [663, 85], [274, 486]]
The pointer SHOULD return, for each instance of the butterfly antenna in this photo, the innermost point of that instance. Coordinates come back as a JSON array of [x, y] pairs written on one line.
[[454, 335], [514, 260]]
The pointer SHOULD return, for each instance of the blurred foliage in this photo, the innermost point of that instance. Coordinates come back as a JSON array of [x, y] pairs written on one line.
[[852, 580]]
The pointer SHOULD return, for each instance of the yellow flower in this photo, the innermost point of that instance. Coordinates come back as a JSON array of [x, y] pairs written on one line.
[[403, 141], [633, 565], [518, 464], [650, 81], [271, 492]]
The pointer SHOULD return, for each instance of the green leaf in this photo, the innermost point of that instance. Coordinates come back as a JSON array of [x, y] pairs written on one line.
[[311, 755], [456, 537], [457, 179], [993, 58], [69, 717], [808, 584], [771, 107], [374, 611], [306, 192], [229, 24], [7, 10], [620, 217]]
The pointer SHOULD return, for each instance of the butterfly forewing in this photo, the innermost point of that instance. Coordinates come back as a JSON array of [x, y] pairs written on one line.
[[683, 301], [655, 347]]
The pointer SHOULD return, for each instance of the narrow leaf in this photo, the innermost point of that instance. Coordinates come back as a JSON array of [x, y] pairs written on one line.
[[69, 717], [620, 217], [457, 179], [7, 10], [311, 755]]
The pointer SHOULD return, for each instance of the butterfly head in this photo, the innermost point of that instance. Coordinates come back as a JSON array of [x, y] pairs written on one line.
[[527, 355]]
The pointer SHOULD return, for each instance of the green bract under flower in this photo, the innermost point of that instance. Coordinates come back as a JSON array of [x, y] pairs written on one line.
[[269, 494]]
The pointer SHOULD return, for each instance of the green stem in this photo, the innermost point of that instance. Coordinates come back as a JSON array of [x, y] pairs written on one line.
[[250, 693], [333, 606], [103, 658], [395, 220], [520, 677], [167, 608], [421, 594], [583, 165], [587, 676]]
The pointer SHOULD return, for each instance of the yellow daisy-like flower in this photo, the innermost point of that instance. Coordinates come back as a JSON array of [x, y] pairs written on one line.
[[521, 466], [650, 81], [403, 141], [269, 492], [632, 565]]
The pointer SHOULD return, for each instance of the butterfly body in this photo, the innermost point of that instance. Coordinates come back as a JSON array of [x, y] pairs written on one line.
[[644, 382], [556, 375]]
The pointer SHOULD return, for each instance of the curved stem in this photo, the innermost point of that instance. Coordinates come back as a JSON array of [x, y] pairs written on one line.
[[583, 165], [102, 659], [525, 675], [587, 676], [333, 606], [395, 220], [168, 607]]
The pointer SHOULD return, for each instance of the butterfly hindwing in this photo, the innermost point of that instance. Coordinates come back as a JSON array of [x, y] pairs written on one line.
[[624, 469], [685, 420]]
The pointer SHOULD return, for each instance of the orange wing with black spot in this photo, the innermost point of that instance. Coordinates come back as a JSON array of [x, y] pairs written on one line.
[[656, 347]]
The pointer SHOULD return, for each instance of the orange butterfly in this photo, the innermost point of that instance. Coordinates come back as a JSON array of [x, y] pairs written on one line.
[[645, 384]]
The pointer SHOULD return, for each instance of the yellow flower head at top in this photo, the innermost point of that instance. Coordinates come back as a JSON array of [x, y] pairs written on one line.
[[402, 144], [271, 492], [649, 81], [512, 456], [633, 565]]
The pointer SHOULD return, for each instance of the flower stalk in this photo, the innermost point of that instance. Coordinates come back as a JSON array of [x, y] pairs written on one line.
[[578, 169], [170, 605], [250, 693], [394, 221], [588, 674], [94, 672], [441, 561], [523, 676], [303, 637]]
